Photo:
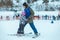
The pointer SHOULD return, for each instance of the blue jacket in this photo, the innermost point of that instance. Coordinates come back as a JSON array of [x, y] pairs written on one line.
[[27, 11]]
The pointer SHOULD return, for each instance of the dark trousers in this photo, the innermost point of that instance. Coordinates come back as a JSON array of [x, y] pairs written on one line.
[[21, 28]]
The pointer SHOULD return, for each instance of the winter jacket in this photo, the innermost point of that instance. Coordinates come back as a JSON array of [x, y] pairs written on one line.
[[29, 14]]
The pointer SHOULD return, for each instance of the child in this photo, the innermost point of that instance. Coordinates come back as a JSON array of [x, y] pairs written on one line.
[[23, 18], [22, 23]]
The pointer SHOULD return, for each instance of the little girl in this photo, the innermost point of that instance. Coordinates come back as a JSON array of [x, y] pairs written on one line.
[[23, 18], [22, 23]]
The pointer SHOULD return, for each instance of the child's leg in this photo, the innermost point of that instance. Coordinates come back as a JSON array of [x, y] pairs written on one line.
[[21, 28]]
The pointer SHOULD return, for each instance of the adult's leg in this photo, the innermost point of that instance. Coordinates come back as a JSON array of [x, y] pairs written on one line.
[[33, 27]]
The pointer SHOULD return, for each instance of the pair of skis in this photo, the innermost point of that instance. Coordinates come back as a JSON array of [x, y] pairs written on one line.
[[26, 34]]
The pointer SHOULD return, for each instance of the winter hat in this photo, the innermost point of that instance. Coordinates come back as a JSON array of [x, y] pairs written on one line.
[[23, 13]]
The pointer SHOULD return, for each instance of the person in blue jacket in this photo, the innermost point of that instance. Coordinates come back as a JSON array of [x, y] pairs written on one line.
[[29, 13]]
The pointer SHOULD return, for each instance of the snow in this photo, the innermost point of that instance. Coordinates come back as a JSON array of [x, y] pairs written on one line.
[[47, 30], [55, 13]]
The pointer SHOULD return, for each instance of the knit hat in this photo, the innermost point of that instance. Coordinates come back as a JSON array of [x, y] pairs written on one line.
[[23, 13]]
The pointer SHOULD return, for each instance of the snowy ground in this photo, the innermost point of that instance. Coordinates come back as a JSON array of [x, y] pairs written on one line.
[[47, 30]]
